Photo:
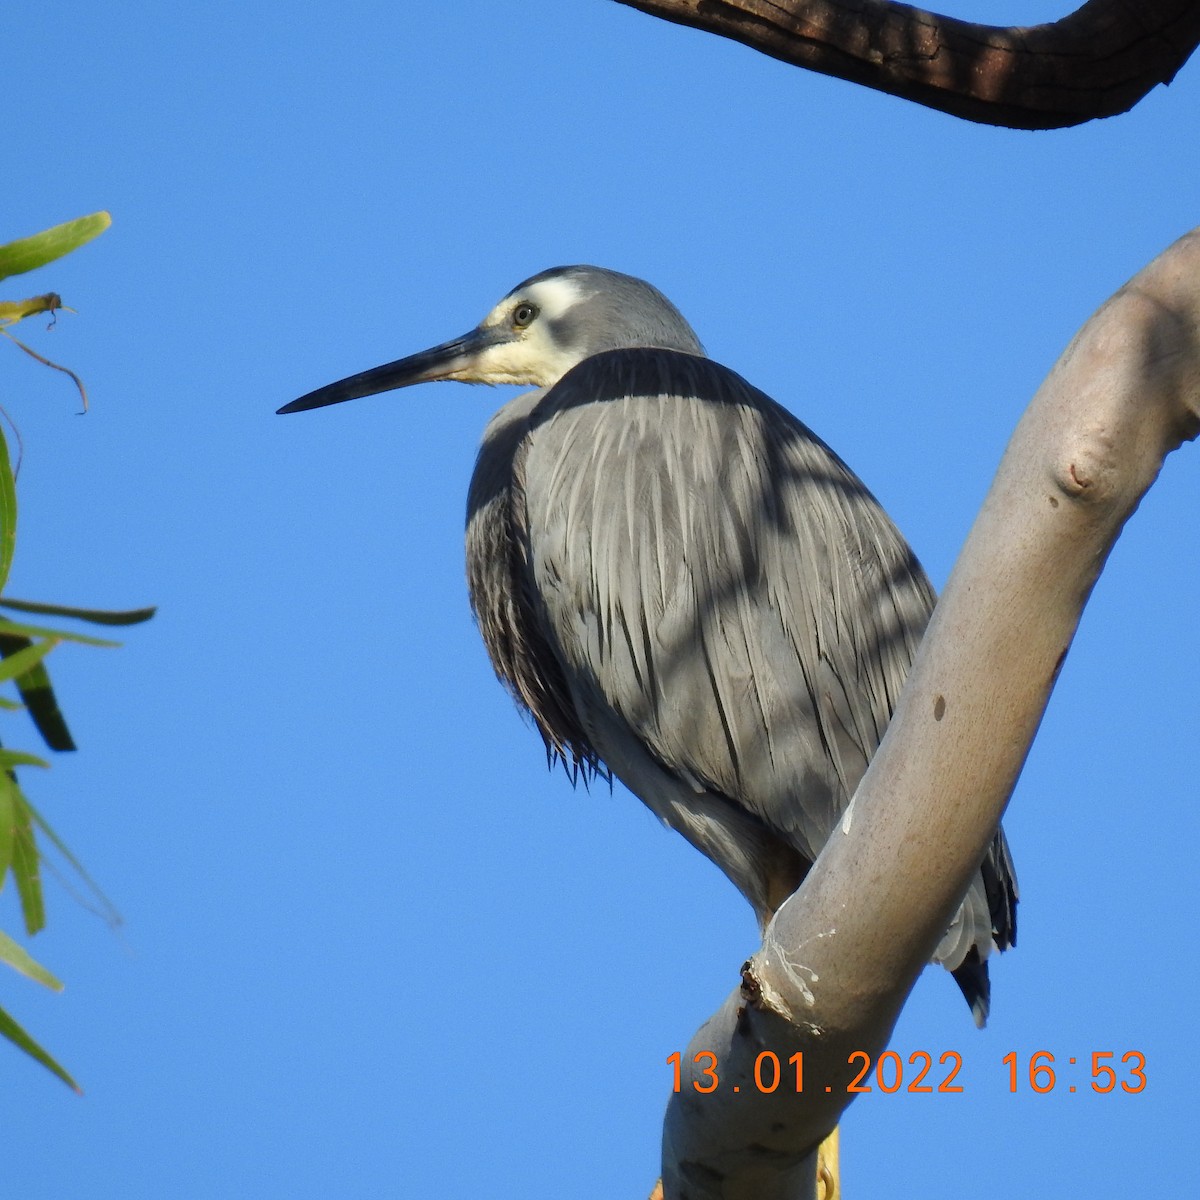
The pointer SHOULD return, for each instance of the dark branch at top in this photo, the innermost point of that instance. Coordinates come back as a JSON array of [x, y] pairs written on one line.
[[1097, 62]]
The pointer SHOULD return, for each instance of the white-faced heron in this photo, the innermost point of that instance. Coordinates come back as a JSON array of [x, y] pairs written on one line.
[[684, 586]]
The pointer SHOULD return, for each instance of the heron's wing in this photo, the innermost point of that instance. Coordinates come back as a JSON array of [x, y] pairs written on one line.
[[713, 574]]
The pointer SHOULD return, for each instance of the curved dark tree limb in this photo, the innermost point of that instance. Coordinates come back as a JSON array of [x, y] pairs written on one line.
[[840, 957], [1097, 62]]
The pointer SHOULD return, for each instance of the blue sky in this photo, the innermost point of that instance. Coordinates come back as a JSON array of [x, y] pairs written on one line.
[[371, 946]]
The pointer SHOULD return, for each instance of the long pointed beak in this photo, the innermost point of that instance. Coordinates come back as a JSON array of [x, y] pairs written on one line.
[[458, 359]]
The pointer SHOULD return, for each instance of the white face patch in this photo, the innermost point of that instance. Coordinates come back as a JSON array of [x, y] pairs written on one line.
[[532, 356], [553, 297]]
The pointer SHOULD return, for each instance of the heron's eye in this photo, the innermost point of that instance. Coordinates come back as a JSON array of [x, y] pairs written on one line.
[[524, 314]]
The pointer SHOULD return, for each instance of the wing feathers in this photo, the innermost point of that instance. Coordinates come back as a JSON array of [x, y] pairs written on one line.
[[708, 572], [751, 575]]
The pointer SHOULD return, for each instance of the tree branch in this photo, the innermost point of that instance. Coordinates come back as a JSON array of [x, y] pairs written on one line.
[[841, 956], [1097, 62]]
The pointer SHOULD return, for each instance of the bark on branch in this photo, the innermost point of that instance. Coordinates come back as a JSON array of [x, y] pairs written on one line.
[[842, 954], [1097, 62]]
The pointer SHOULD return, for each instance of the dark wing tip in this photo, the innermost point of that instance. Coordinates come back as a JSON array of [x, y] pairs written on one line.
[[1000, 887], [971, 975]]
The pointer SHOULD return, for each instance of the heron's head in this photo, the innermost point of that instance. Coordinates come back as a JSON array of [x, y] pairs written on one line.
[[535, 335]]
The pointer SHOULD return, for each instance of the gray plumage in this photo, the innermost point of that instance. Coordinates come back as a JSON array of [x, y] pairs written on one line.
[[684, 586]]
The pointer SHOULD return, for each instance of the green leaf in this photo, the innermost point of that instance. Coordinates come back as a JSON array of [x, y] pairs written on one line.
[[97, 616], [42, 706], [38, 695], [11, 759], [17, 957], [8, 512], [24, 660], [27, 254], [8, 819], [17, 629], [110, 914], [26, 865], [19, 1038]]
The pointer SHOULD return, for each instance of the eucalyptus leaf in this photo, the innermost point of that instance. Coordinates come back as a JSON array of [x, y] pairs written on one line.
[[17, 957], [11, 759], [19, 1038], [110, 912], [38, 695], [8, 815], [23, 660], [26, 865], [97, 616], [27, 254], [17, 629], [8, 512]]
